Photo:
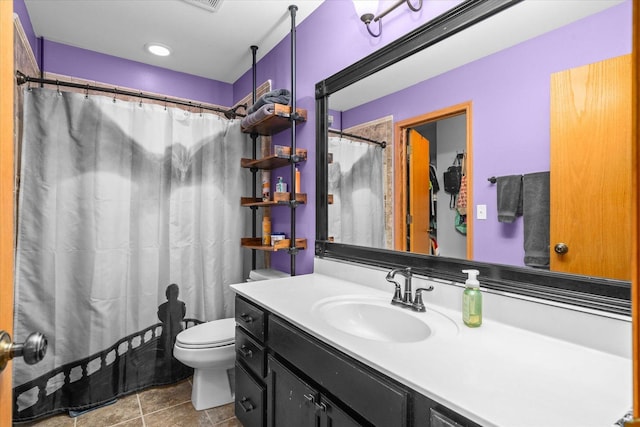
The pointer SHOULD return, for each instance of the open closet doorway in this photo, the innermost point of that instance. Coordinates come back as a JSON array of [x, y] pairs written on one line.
[[428, 219]]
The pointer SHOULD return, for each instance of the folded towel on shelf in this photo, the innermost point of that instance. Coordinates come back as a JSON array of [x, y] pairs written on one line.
[[509, 197], [255, 117], [536, 212], [277, 96]]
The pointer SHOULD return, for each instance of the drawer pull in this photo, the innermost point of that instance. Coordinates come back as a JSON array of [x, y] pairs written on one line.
[[246, 405], [321, 407], [245, 351], [246, 318], [310, 398]]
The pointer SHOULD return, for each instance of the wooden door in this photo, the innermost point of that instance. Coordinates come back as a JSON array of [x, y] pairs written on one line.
[[419, 208], [590, 186], [6, 197]]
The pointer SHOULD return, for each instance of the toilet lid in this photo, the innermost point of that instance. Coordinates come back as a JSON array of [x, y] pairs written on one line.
[[216, 333]]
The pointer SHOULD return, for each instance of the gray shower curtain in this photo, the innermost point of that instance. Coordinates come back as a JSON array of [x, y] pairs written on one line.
[[129, 226], [355, 178]]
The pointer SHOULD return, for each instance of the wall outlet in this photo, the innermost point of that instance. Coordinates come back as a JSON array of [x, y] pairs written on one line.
[[481, 211]]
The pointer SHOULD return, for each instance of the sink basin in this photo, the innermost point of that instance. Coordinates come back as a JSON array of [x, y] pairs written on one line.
[[373, 319]]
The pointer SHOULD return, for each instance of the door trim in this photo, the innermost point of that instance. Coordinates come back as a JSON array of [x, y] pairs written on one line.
[[400, 172], [7, 231]]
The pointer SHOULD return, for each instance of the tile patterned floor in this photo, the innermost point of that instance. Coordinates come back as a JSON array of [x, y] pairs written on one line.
[[167, 406]]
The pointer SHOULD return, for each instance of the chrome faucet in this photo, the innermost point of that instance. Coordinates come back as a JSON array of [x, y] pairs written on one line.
[[406, 300], [406, 272]]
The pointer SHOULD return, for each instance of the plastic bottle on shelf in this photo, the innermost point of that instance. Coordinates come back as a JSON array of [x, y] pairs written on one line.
[[266, 186], [266, 231], [297, 180], [281, 186]]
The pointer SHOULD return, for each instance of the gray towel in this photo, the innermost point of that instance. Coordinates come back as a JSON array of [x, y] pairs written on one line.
[[255, 117], [509, 197], [277, 96], [535, 203]]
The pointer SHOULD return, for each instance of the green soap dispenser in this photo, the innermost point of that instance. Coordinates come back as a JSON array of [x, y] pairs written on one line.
[[472, 300]]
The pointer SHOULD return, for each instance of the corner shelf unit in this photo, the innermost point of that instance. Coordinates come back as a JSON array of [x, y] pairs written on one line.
[[280, 120]]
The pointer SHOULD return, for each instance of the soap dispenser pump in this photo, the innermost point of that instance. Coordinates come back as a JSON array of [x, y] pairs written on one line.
[[472, 300]]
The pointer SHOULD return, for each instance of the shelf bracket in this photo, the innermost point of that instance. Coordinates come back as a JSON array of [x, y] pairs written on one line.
[[293, 251], [295, 159]]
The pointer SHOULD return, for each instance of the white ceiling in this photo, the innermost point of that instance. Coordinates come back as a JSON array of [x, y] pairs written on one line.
[[214, 45]]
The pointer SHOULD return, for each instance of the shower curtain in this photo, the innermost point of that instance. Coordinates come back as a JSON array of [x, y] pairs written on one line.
[[129, 227], [356, 181]]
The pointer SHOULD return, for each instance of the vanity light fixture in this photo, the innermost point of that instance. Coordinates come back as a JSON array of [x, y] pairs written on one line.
[[367, 18], [158, 49]]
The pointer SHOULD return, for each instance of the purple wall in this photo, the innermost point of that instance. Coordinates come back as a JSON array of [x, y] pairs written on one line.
[[510, 94], [329, 40]]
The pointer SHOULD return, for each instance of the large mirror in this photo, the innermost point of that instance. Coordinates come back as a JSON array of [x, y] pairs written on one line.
[[485, 85]]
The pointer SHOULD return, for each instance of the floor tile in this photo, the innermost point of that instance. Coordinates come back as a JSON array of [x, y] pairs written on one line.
[[126, 408], [131, 423], [233, 422], [221, 413], [183, 415], [62, 420], [162, 397]]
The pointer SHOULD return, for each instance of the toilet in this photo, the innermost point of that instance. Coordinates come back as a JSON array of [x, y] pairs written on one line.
[[208, 348]]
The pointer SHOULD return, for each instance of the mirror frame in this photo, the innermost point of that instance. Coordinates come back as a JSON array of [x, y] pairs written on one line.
[[608, 295]]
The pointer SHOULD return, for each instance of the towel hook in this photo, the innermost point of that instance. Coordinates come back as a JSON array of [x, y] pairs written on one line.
[[492, 180]]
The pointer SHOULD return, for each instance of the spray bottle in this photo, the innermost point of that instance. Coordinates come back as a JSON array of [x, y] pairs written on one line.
[[472, 300]]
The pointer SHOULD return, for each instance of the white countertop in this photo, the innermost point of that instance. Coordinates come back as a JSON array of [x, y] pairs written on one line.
[[495, 375]]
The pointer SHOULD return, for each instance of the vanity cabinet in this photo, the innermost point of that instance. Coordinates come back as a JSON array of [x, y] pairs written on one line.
[[250, 390], [294, 403], [287, 378]]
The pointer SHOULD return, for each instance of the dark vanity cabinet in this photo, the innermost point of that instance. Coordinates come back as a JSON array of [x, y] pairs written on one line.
[[288, 378], [250, 391]]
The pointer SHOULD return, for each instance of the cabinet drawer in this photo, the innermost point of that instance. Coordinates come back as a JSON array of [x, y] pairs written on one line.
[[250, 353], [428, 413], [376, 399], [251, 318], [249, 400]]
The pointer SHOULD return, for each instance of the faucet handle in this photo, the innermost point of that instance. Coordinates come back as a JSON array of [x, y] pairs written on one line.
[[418, 305], [397, 295]]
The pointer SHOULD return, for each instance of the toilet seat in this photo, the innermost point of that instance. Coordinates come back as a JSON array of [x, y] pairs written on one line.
[[217, 333]]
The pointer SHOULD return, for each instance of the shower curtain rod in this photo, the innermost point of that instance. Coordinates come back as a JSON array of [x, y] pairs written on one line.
[[382, 144], [230, 113]]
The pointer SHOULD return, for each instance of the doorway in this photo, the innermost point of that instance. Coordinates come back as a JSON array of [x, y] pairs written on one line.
[[426, 219]]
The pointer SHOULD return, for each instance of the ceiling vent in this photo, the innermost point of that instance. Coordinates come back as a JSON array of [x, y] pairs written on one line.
[[210, 5]]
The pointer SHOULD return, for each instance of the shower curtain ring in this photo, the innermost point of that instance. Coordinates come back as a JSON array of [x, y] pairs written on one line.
[[140, 100], [28, 85], [115, 92], [58, 87], [201, 110], [86, 92], [165, 104]]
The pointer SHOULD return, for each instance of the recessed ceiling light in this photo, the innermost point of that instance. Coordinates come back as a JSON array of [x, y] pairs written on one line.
[[158, 49]]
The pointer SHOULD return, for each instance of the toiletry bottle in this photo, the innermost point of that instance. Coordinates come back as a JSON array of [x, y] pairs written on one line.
[[297, 180], [281, 186], [266, 186], [266, 231], [472, 300]]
